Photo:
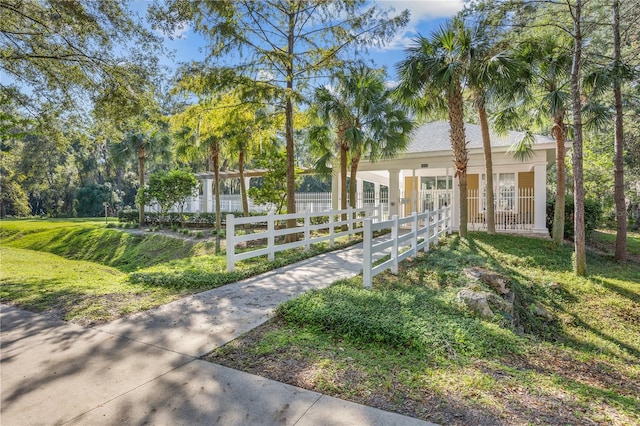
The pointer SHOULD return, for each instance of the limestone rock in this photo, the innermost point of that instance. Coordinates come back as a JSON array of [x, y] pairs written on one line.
[[497, 282], [476, 300], [541, 311]]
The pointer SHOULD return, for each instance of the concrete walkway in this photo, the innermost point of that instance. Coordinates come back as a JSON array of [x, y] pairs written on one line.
[[146, 368]]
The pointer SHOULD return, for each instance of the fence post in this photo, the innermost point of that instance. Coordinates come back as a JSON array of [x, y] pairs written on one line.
[[379, 212], [394, 247], [414, 230], [271, 238], [448, 222], [231, 245], [331, 227], [307, 231], [350, 222], [367, 261], [428, 220]]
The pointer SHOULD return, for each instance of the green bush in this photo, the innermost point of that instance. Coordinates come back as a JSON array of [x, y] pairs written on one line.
[[592, 215], [128, 216]]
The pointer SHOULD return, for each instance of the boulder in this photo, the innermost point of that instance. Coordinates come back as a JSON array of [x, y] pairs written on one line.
[[476, 300], [541, 311], [497, 282]]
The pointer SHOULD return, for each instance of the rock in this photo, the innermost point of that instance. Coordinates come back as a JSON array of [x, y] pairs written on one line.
[[497, 282], [554, 285], [476, 300], [503, 304], [541, 311]]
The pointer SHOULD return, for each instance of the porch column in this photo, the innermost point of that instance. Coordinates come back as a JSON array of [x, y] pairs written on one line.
[[540, 199], [335, 188], [359, 193], [414, 192], [376, 194], [207, 194], [394, 192], [195, 203]]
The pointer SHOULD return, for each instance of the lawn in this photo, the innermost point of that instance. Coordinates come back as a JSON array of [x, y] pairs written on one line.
[[80, 270], [409, 346]]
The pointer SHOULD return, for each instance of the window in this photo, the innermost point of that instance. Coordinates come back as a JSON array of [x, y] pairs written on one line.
[[435, 191], [504, 191], [428, 183]]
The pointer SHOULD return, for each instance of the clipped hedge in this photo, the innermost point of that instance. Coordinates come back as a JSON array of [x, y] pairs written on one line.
[[201, 220]]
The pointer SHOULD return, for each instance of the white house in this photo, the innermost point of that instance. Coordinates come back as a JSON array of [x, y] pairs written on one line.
[[423, 178]]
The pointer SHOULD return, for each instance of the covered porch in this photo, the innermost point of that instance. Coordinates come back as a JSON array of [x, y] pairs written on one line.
[[423, 179]]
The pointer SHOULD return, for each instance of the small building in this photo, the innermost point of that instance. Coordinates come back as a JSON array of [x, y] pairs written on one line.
[[422, 178]]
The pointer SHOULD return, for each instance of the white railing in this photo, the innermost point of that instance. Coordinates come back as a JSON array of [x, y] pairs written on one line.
[[513, 211], [426, 229], [316, 227]]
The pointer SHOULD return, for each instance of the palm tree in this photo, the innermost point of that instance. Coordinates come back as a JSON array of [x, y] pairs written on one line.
[[366, 122], [547, 93], [191, 146], [431, 78], [492, 70], [152, 141]]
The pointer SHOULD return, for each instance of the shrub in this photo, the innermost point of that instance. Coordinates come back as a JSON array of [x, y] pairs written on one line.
[[592, 215], [128, 216]]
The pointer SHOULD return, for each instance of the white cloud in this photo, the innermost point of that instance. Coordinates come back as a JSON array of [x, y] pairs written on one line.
[[179, 33], [421, 11], [391, 84]]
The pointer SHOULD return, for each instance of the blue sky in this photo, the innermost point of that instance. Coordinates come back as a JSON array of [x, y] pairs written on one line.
[[426, 15]]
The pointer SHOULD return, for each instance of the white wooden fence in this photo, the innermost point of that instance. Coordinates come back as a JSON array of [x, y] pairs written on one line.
[[426, 229], [324, 226]]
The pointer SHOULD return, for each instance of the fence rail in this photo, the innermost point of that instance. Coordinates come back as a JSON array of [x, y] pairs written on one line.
[[325, 226], [426, 228]]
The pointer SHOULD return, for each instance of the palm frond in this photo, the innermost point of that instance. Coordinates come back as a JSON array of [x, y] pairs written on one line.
[[522, 150]]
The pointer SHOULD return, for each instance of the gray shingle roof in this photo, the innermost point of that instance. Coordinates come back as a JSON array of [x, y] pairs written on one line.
[[435, 137]]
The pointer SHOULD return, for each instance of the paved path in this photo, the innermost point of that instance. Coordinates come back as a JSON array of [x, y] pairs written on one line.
[[145, 368]]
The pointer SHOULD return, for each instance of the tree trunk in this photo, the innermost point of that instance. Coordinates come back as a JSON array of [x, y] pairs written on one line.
[[559, 133], [291, 167], [243, 187], [579, 230], [141, 158], [353, 184], [460, 153], [488, 160], [216, 181], [343, 180], [618, 158]]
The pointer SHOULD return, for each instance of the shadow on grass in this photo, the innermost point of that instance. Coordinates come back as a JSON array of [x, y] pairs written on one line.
[[633, 296], [510, 256], [38, 295]]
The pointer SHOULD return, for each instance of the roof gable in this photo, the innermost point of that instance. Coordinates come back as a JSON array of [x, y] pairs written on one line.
[[431, 137]]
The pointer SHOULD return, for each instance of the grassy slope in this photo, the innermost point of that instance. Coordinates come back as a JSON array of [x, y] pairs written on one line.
[[90, 240], [79, 270], [152, 269], [409, 346], [72, 289]]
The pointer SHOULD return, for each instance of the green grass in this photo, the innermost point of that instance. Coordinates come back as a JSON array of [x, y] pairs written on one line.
[[92, 241], [606, 239], [72, 289], [152, 268], [409, 346]]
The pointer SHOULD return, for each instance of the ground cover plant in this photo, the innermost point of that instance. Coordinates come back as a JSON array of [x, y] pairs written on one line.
[[88, 273], [410, 347]]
